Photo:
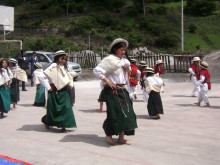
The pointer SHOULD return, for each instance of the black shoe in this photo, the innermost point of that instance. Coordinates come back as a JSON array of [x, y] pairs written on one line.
[[24, 89]]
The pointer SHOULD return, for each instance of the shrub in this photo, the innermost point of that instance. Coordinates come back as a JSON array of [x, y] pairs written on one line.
[[192, 28]]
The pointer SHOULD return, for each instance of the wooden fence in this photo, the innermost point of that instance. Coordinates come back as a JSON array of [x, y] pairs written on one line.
[[172, 63]]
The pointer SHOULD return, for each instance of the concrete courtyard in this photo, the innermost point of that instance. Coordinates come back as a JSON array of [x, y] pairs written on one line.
[[185, 134]]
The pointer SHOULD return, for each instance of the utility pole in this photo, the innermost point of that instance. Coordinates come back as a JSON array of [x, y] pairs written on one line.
[[182, 29], [144, 7]]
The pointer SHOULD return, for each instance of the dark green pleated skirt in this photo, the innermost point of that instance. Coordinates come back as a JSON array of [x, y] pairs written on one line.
[[5, 100], [40, 96], [14, 91], [154, 105], [59, 110], [120, 113]]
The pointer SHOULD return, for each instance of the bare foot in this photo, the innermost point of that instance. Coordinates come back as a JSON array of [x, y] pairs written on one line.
[[47, 126], [123, 141], [109, 140]]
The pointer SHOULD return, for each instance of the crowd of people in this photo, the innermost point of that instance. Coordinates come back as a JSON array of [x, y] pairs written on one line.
[[119, 77]]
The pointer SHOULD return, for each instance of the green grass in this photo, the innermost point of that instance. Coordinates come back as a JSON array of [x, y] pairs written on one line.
[[192, 40]]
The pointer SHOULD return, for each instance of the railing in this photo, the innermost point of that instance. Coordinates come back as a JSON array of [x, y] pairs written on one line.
[[172, 63]]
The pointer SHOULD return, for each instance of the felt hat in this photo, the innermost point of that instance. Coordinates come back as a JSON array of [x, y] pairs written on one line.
[[118, 40], [133, 60], [196, 59], [38, 65], [60, 52], [142, 63], [12, 60], [149, 70], [204, 65], [159, 62]]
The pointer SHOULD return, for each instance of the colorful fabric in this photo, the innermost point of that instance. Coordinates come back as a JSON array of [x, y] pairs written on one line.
[[158, 69], [207, 76], [11, 161], [195, 68], [133, 77], [120, 113], [40, 96], [59, 110]]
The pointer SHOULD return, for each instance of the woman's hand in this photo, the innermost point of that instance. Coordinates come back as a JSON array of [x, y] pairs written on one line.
[[109, 83]]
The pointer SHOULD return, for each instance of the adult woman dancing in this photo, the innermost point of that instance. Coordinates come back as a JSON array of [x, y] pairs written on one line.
[[59, 108], [113, 71]]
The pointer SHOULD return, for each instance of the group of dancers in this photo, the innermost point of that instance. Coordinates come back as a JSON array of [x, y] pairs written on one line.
[[201, 79], [119, 76]]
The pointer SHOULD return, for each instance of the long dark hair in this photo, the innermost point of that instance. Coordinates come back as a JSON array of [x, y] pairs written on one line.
[[1, 66], [56, 58], [117, 46]]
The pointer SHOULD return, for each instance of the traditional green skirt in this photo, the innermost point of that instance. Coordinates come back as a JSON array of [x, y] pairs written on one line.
[[154, 105], [40, 96], [14, 91], [101, 96], [120, 113], [4, 99], [59, 110]]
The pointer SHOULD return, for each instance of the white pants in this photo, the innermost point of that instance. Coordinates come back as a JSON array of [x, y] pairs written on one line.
[[145, 95], [196, 87], [132, 90], [203, 96]]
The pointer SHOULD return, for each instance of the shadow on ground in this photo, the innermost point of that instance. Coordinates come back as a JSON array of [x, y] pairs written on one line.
[[41, 128], [86, 138]]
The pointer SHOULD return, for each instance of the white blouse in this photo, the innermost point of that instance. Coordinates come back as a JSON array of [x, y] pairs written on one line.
[[121, 77]]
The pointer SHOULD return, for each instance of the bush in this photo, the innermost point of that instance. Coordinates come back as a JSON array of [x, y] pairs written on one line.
[[166, 41], [200, 7], [192, 28]]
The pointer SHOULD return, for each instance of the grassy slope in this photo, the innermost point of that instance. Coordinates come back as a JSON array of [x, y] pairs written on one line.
[[205, 36]]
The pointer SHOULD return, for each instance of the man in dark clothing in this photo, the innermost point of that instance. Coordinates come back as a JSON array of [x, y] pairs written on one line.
[[23, 62]]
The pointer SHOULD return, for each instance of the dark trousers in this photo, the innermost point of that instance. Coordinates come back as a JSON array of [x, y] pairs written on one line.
[[23, 85]]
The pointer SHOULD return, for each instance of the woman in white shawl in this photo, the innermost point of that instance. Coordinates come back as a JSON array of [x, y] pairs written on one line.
[[59, 108], [154, 85], [5, 75], [113, 71], [41, 83]]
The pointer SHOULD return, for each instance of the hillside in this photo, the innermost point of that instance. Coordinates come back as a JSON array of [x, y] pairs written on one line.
[[79, 25]]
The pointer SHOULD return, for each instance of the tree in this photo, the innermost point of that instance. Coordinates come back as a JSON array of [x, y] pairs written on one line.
[[200, 7]]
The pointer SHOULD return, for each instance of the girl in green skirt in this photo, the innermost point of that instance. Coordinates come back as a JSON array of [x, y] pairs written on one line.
[[113, 70]]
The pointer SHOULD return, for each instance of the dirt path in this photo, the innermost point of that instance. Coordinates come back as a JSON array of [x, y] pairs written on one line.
[[213, 59]]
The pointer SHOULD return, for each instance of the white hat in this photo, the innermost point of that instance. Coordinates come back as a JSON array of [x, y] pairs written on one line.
[[133, 60], [149, 70], [142, 63], [38, 65], [12, 60], [204, 65], [159, 62], [196, 59], [60, 52], [118, 40]]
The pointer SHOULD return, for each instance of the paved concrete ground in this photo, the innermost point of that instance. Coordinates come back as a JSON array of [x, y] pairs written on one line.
[[185, 135]]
